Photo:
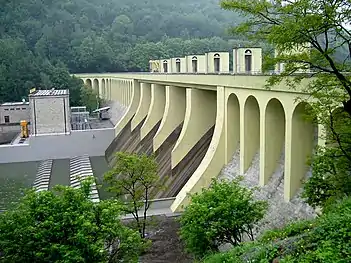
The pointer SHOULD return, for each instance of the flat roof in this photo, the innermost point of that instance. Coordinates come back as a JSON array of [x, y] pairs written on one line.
[[14, 103], [49, 92]]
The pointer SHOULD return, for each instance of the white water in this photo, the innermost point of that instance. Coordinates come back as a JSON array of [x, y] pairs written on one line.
[[279, 212]]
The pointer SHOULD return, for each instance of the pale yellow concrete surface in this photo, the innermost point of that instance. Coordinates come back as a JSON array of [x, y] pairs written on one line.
[[173, 115], [182, 65], [201, 63], [165, 65], [156, 109], [213, 161], [223, 57], [245, 114], [144, 104], [131, 109], [200, 116]]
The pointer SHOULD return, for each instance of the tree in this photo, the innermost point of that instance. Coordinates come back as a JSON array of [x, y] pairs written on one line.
[[132, 179], [89, 98], [223, 213], [311, 38], [65, 226]]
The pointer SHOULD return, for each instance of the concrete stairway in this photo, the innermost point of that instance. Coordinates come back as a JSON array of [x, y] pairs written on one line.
[[42, 179], [80, 168]]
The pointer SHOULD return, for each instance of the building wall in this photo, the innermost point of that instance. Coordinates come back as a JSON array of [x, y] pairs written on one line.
[[50, 114], [169, 65], [42, 147], [16, 113], [223, 64], [183, 65], [201, 63], [239, 60]]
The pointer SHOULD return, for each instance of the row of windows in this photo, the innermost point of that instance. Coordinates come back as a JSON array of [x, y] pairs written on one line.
[[6, 109]]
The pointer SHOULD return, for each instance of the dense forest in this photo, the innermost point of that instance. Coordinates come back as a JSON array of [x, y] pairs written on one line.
[[41, 40]]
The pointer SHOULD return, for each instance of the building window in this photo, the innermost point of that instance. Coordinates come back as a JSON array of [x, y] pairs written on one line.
[[165, 66], [6, 109], [7, 119], [18, 108], [216, 62], [194, 64], [178, 65], [24, 108], [248, 61], [12, 109]]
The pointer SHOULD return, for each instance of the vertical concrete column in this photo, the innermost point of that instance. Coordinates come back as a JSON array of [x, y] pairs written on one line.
[[129, 91], [131, 109], [144, 104], [114, 95], [298, 147], [156, 109], [321, 135], [249, 133], [173, 114], [214, 159], [232, 126], [272, 139], [200, 116]]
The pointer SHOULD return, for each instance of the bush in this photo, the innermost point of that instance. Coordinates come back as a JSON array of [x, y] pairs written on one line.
[[223, 213]]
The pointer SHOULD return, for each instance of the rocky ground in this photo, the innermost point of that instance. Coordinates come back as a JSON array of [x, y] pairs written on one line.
[[166, 244]]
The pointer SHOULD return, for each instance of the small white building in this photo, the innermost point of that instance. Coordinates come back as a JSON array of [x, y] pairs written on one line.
[[179, 65], [50, 112], [14, 112], [217, 62], [247, 60], [196, 63]]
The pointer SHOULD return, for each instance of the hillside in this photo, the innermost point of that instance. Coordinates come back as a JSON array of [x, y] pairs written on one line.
[[92, 35]]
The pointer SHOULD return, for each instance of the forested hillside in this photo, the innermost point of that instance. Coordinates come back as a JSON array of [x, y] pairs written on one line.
[[39, 36]]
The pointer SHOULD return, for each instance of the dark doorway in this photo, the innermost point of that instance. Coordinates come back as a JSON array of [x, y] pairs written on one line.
[[7, 119], [216, 63], [178, 65], [194, 63], [165, 66], [248, 61]]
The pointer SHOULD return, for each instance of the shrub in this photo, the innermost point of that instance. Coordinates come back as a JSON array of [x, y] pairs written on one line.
[[223, 213]]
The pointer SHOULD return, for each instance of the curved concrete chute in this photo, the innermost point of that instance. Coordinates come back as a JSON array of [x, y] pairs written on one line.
[[156, 109], [213, 160], [143, 106], [199, 118], [249, 133], [299, 144], [173, 115], [88, 83], [232, 126], [96, 86], [273, 139]]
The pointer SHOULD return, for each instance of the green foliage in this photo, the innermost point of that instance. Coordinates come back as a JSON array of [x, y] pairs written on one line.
[[322, 240], [89, 98], [65, 226], [310, 40], [131, 180], [223, 213]]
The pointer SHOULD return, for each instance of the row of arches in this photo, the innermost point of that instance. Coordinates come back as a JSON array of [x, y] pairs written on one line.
[[271, 129]]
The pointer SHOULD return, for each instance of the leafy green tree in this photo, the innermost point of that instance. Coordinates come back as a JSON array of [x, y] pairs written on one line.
[[132, 179], [65, 226], [223, 213], [89, 98], [311, 39]]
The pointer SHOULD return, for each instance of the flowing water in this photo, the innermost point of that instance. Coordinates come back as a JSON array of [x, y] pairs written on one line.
[[279, 212]]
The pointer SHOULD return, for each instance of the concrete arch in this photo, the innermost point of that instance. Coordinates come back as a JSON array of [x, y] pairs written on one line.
[[249, 133], [132, 109], [143, 106], [199, 103], [232, 126], [224, 142], [96, 86], [299, 146], [156, 109], [173, 115], [273, 139], [88, 83]]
